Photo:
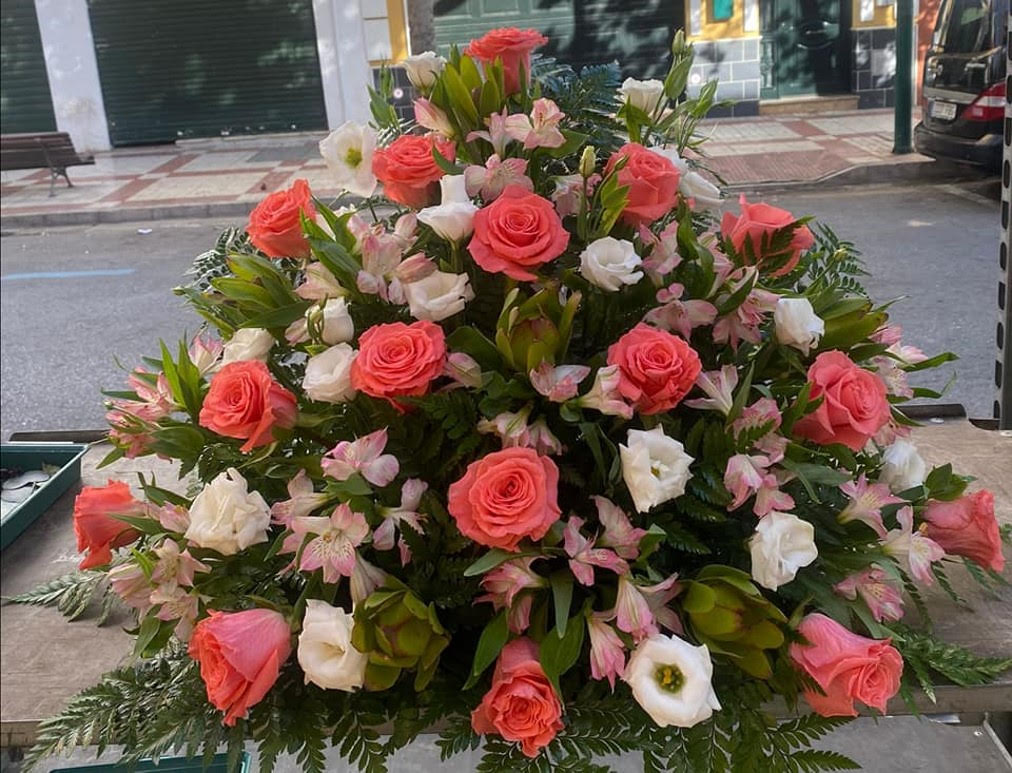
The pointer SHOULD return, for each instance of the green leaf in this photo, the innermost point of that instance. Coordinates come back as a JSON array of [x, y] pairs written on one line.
[[279, 317], [471, 341], [562, 597], [491, 560], [490, 643], [559, 653]]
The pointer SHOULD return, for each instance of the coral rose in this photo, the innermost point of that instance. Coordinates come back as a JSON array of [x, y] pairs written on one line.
[[245, 402], [513, 47], [397, 360], [846, 666], [240, 656], [967, 527], [408, 170], [656, 368], [854, 405], [275, 227], [97, 531], [516, 233], [506, 496], [521, 705], [756, 225], [652, 180]]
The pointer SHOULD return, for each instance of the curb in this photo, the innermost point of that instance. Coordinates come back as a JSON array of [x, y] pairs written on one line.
[[923, 170]]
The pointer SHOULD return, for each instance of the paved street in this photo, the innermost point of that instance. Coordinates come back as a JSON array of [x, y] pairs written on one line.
[[62, 328]]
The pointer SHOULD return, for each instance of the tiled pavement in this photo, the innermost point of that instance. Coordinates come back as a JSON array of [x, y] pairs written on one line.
[[225, 177]]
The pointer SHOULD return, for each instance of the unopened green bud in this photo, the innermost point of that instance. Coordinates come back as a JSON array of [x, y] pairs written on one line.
[[588, 161]]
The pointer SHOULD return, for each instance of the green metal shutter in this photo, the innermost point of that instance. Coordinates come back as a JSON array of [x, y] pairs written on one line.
[[204, 68], [25, 102], [580, 32]]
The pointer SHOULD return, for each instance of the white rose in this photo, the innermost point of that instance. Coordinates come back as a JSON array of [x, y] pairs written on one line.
[[226, 516], [248, 343], [333, 321], [348, 152], [453, 219], [610, 263], [325, 651], [670, 680], [655, 467], [691, 184], [423, 69], [797, 324], [902, 466], [643, 94], [438, 296], [782, 544], [328, 375]]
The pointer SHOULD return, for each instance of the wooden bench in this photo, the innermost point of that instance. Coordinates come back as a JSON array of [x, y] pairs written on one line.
[[54, 150]]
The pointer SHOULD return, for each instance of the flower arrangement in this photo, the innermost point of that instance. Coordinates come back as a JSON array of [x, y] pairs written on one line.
[[532, 449]]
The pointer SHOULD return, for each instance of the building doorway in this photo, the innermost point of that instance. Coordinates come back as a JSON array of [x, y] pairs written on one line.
[[804, 47]]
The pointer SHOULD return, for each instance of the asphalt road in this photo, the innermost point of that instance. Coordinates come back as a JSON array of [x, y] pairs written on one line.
[[62, 330]]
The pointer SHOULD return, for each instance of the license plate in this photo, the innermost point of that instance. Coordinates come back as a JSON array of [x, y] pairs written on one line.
[[945, 111]]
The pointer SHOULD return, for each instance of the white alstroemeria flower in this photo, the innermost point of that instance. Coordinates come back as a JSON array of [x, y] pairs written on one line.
[[453, 219], [655, 467], [671, 681], [781, 545], [348, 152]]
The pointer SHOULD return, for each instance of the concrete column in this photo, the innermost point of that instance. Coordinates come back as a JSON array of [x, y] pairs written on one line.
[[344, 68], [73, 72]]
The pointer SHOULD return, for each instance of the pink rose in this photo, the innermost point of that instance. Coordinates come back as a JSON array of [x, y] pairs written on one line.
[[517, 233], [652, 180], [757, 225], [521, 705], [97, 531], [506, 496], [245, 402], [513, 47], [967, 527], [854, 405], [240, 656], [657, 369], [398, 359], [846, 666], [275, 225]]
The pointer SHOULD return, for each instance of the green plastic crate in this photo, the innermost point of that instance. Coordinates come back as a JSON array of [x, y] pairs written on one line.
[[31, 456], [167, 765]]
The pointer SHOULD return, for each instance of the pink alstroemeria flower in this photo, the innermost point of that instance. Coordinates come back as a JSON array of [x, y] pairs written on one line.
[[172, 517], [918, 551], [569, 195], [763, 412], [619, 533], [497, 134], [365, 578], [302, 500], [677, 315], [205, 352], [743, 477], [364, 455], [543, 440], [639, 609], [558, 382], [663, 257], [743, 323], [319, 284], [504, 586], [541, 129], [381, 252], [333, 546], [129, 582], [407, 512], [463, 369], [719, 386], [866, 503], [497, 174], [175, 567], [876, 590], [583, 556], [432, 118], [604, 395], [893, 376], [176, 604], [607, 653]]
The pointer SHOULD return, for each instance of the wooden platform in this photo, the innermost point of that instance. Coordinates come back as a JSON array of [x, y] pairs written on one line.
[[44, 660]]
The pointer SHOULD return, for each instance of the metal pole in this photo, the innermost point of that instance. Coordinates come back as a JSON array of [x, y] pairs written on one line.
[[903, 83], [1003, 360]]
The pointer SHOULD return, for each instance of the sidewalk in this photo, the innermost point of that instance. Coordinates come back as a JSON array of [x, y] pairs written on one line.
[[225, 178]]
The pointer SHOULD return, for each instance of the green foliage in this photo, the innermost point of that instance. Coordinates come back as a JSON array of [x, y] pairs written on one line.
[[72, 595]]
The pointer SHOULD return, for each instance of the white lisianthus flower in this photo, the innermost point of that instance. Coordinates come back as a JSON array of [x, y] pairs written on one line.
[[333, 321], [691, 184], [348, 152], [226, 516], [781, 545], [325, 650], [438, 296], [645, 95], [610, 263], [671, 681], [453, 219], [655, 467], [902, 466], [797, 324], [423, 69], [328, 375], [248, 343]]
